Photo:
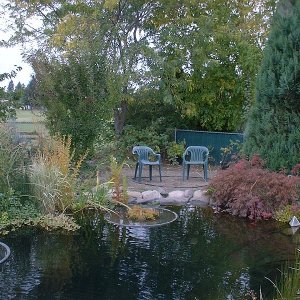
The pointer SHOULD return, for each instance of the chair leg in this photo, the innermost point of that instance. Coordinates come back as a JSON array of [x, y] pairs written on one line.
[[205, 169], [150, 172], [183, 171], [136, 168], [140, 172], [159, 170], [188, 171]]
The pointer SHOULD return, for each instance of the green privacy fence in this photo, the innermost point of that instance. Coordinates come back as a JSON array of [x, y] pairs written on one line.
[[214, 141]]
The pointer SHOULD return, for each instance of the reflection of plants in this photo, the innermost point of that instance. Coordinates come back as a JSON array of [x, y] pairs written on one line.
[[139, 213], [175, 151], [53, 177]]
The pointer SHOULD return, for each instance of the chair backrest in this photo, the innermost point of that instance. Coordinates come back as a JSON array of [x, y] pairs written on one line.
[[143, 152], [197, 154]]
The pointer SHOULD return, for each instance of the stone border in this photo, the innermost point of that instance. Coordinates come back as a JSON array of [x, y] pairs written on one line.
[[176, 197]]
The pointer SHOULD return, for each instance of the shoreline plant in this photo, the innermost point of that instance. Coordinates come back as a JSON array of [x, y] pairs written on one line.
[[247, 189]]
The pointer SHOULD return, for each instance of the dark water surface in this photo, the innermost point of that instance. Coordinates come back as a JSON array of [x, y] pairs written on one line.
[[199, 256]]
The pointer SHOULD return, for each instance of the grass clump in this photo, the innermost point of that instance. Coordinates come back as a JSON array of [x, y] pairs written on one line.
[[53, 175]]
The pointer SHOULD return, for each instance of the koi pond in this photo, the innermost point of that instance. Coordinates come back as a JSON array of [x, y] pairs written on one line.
[[201, 255]]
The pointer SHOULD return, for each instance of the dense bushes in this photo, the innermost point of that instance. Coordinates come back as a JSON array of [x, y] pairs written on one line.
[[247, 189]]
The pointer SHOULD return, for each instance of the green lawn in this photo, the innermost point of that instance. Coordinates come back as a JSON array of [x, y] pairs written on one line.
[[29, 122], [32, 116]]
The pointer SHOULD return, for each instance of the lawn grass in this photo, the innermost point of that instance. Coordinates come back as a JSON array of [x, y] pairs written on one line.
[[29, 122], [32, 116]]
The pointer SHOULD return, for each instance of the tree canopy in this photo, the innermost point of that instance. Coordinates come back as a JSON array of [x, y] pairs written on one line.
[[201, 56]]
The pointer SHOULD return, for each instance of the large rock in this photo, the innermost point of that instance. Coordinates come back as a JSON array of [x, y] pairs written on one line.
[[173, 201], [200, 198], [176, 195], [133, 194], [151, 195]]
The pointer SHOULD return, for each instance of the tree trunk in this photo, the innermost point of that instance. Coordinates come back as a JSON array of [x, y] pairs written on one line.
[[120, 117]]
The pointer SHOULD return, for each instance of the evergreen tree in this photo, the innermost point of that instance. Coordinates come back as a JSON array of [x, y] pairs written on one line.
[[10, 87], [273, 126]]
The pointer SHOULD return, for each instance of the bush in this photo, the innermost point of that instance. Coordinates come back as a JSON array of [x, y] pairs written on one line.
[[12, 160], [247, 189]]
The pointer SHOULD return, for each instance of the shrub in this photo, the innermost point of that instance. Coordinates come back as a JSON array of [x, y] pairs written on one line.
[[175, 152], [53, 177], [246, 189]]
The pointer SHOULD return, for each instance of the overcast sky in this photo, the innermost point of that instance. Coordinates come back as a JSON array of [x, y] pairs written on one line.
[[9, 57]]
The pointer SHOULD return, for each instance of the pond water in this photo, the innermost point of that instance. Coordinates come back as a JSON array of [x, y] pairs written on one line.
[[201, 255]]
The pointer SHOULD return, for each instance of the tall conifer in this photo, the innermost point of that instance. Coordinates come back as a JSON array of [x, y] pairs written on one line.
[[273, 129]]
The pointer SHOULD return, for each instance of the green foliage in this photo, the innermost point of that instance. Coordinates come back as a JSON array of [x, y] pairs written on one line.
[[52, 222], [209, 74], [73, 95], [175, 152], [15, 211], [272, 130], [12, 161], [286, 213], [290, 280], [149, 136], [230, 154]]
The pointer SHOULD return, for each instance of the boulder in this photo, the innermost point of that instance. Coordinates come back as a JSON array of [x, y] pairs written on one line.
[[176, 195], [151, 195]]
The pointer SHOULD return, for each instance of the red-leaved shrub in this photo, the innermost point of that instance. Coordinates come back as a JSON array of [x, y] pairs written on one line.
[[246, 189]]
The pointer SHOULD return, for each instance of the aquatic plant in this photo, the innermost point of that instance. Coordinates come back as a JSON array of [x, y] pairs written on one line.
[[139, 213]]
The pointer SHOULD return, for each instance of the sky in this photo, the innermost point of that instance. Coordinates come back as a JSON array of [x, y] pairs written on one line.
[[11, 57]]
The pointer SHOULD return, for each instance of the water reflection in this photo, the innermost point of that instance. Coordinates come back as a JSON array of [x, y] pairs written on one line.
[[199, 256]]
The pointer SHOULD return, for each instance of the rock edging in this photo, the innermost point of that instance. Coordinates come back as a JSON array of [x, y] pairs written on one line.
[[176, 197]]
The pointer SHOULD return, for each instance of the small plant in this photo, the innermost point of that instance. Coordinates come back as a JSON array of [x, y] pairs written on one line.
[[230, 154], [139, 213], [175, 152], [118, 181], [286, 213]]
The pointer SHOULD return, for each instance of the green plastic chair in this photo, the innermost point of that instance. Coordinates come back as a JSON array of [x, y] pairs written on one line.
[[195, 155], [144, 154]]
